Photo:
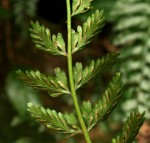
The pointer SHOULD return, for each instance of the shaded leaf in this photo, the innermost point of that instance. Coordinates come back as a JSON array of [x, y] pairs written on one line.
[[19, 94]]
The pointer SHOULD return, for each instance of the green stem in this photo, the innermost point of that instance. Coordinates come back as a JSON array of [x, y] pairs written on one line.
[[72, 87]]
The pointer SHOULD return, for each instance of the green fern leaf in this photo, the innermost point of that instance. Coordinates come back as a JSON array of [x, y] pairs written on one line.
[[61, 78], [131, 33], [131, 128], [55, 85], [93, 116], [22, 10], [66, 123], [84, 75], [127, 7], [71, 120], [42, 38], [131, 22], [84, 35], [86, 110], [128, 38], [80, 6]]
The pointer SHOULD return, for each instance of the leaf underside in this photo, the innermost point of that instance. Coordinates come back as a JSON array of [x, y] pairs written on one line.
[[85, 34], [94, 115], [54, 85], [58, 84], [80, 6], [41, 36], [83, 76], [63, 123]]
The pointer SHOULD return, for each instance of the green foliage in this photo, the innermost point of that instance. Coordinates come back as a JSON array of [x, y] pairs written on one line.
[[93, 116], [54, 85], [80, 6], [130, 128], [42, 38], [107, 6], [16, 126], [4, 14], [66, 123], [87, 116], [132, 34], [84, 35], [95, 68], [22, 11], [19, 93]]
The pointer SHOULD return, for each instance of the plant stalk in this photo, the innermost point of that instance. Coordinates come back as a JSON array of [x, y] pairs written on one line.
[[70, 71]]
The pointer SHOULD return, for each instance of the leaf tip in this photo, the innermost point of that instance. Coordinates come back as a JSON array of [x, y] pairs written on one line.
[[29, 104]]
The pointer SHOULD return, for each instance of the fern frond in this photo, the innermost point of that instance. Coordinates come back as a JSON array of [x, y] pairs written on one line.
[[127, 8], [131, 33], [66, 123], [54, 85], [132, 22], [130, 128], [93, 116], [84, 35], [23, 10], [41, 36], [128, 38], [80, 6], [84, 75], [86, 110]]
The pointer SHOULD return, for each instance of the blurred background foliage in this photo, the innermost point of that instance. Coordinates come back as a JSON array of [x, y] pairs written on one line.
[[126, 30], [131, 33]]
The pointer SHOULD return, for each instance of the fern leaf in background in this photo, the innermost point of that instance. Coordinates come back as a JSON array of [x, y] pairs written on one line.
[[132, 34], [23, 9]]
